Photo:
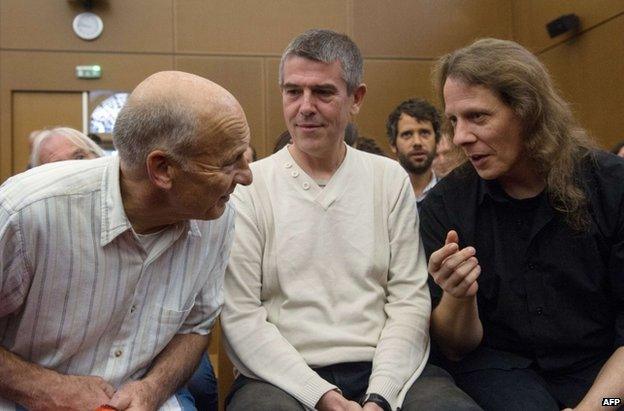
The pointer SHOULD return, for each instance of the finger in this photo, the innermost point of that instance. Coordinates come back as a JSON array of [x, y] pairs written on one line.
[[452, 237], [459, 274], [472, 290], [438, 256], [462, 288], [120, 400], [453, 261], [108, 389]]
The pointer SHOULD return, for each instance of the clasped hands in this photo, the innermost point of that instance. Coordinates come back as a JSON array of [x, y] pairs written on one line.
[[80, 393]]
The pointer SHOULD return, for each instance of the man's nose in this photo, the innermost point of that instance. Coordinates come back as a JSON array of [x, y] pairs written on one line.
[[417, 141], [307, 103], [462, 133], [243, 176]]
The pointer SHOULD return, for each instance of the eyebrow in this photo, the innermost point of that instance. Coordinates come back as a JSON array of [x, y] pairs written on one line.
[[324, 86]]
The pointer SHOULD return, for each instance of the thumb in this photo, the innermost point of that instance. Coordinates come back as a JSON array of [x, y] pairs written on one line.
[[451, 237], [120, 401]]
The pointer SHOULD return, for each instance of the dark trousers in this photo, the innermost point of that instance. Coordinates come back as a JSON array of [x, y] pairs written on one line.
[[434, 390], [498, 380]]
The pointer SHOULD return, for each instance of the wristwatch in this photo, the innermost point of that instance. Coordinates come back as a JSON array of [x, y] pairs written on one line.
[[377, 399]]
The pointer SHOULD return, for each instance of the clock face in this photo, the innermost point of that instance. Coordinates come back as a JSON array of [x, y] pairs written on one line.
[[88, 26]]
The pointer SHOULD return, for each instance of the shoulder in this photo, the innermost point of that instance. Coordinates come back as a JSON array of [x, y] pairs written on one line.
[[459, 183], [49, 181], [603, 176], [379, 163], [607, 166], [383, 171]]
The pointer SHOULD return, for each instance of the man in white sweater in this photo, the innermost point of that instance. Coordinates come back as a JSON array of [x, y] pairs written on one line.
[[327, 305]]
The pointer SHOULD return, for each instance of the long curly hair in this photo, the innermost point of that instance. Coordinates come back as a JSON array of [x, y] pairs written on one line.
[[553, 139]]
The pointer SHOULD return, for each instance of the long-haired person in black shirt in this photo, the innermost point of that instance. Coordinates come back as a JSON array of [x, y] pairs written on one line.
[[525, 240]]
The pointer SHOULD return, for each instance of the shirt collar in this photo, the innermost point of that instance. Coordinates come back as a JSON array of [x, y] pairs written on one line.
[[114, 219], [429, 186], [492, 190]]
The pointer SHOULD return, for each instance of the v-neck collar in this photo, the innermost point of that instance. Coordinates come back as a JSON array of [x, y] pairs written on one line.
[[306, 185]]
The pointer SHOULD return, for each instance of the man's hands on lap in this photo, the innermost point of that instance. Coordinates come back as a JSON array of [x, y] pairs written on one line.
[[371, 406], [454, 270], [136, 396], [334, 401], [70, 392]]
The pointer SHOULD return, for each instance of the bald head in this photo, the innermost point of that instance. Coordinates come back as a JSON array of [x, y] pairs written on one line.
[[176, 112]]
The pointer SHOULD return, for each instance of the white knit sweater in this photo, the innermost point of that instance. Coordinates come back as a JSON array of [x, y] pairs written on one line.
[[320, 276]]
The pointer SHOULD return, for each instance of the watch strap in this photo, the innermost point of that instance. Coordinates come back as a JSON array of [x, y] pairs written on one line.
[[377, 399]]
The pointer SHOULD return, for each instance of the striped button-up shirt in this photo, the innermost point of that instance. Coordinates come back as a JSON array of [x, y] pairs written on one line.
[[79, 294]]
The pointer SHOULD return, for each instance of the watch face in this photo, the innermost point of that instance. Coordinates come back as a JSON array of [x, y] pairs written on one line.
[[88, 26]]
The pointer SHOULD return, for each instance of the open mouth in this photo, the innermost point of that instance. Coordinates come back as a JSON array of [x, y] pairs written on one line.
[[478, 159]]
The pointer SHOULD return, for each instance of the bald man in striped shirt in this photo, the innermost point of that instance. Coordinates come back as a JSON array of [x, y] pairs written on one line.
[[111, 269]]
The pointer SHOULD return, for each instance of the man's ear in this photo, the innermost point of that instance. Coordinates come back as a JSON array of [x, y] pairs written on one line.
[[160, 169], [358, 98], [393, 148]]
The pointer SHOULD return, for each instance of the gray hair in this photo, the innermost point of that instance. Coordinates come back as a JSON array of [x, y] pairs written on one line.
[[75, 136], [142, 128], [327, 46]]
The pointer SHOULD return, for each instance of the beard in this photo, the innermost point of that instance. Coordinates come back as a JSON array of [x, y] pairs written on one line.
[[418, 167]]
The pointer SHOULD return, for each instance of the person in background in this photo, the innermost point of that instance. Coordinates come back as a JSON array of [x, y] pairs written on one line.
[[111, 270], [282, 141], [445, 160], [413, 130], [525, 240], [618, 149], [369, 145], [60, 144]]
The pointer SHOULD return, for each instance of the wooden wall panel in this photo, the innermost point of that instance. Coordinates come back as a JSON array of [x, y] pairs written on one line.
[[250, 27], [389, 83], [36, 110], [531, 16], [275, 117], [426, 28], [243, 77], [589, 71], [130, 26], [54, 71]]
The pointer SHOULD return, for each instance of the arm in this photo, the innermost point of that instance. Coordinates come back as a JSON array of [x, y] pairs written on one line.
[[610, 379], [608, 384], [256, 346], [403, 344], [21, 381], [39, 388], [171, 369], [455, 323]]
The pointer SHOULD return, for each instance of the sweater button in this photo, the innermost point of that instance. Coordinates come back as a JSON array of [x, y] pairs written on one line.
[[294, 173], [306, 185]]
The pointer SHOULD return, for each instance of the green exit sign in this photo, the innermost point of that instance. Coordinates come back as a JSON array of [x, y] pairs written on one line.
[[90, 72]]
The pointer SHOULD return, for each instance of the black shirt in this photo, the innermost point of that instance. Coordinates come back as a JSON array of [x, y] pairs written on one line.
[[546, 292]]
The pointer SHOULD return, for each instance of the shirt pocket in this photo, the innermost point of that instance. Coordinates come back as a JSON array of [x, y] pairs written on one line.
[[165, 324]]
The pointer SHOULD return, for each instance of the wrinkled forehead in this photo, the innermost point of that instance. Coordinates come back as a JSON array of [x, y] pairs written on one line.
[[227, 126]]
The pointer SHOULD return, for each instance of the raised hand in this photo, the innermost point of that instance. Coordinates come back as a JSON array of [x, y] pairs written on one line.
[[454, 270]]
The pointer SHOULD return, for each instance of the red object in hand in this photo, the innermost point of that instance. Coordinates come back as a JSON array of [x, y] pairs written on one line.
[[106, 408]]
